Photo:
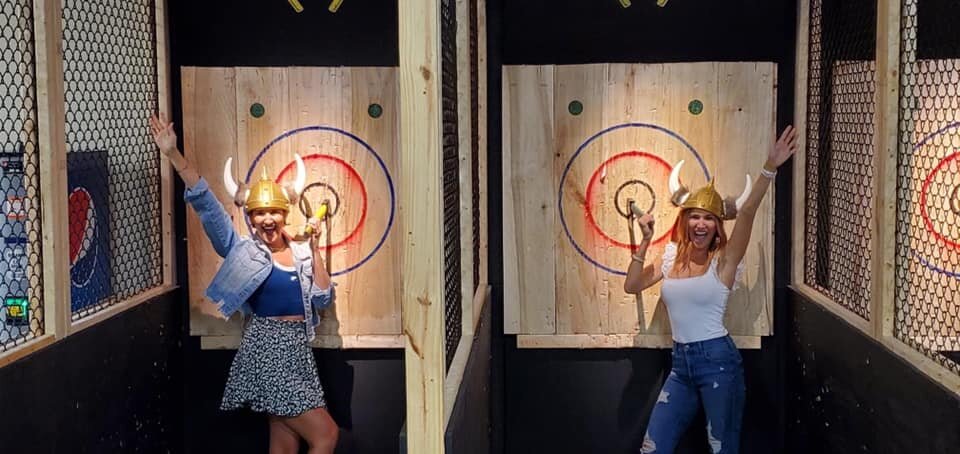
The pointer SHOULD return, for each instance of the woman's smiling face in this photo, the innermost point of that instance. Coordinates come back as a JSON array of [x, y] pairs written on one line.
[[701, 228], [268, 223]]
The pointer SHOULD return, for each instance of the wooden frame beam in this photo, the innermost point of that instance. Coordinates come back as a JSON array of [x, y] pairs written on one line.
[[420, 222], [52, 146], [884, 219]]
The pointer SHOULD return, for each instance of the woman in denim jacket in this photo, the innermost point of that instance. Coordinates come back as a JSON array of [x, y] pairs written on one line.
[[699, 268], [283, 284]]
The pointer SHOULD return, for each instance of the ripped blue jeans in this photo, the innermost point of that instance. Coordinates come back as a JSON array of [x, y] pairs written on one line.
[[708, 372]]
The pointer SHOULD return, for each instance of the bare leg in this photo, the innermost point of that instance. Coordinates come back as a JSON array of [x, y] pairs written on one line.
[[283, 440], [318, 428]]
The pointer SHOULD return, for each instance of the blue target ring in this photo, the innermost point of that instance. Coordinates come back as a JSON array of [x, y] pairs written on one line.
[[583, 146], [383, 167]]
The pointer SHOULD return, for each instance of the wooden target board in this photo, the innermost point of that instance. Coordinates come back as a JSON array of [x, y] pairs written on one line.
[[928, 231], [344, 124], [581, 140]]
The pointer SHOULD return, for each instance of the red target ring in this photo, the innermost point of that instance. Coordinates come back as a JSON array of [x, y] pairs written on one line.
[[651, 162], [928, 224], [353, 183]]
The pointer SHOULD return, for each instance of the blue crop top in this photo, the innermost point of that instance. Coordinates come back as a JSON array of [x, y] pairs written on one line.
[[279, 295]]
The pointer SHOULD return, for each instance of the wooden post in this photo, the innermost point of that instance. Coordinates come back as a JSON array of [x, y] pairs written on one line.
[[800, 159], [884, 218], [464, 129], [482, 147], [52, 145], [420, 222], [166, 176]]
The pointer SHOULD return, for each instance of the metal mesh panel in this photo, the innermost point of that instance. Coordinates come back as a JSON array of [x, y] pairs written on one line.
[[21, 288], [453, 298], [475, 140], [110, 85], [927, 302], [840, 149]]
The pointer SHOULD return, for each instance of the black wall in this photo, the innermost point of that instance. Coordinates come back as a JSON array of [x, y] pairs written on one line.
[[468, 431], [113, 387], [847, 393], [364, 389], [600, 400]]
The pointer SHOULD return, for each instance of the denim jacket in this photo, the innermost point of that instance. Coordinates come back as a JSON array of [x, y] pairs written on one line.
[[247, 262]]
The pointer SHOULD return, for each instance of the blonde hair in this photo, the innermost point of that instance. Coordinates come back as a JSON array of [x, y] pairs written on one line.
[[681, 238]]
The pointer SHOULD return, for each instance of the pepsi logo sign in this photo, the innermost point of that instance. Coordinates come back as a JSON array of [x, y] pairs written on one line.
[[83, 237]]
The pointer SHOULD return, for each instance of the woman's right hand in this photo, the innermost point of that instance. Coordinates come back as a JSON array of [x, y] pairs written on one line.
[[163, 134], [646, 225]]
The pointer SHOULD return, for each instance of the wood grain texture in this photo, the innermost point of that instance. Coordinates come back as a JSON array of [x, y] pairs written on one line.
[[637, 122], [528, 200], [421, 221], [310, 111]]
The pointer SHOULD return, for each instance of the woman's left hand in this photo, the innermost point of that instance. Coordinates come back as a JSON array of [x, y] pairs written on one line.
[[784, 148]]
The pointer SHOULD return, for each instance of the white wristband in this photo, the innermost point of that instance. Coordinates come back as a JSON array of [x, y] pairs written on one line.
[[768, 174]]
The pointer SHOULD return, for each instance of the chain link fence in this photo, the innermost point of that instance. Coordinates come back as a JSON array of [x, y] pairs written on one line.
[[475, 140], [113, 167], [927, 302], [21, 288], [453, 297], [840, 147]]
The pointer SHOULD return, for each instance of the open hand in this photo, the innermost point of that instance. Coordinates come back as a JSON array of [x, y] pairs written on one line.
[[785, 147], [163, 134]]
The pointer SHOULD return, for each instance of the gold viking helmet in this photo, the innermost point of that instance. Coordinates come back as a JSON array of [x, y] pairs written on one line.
[[265, 193], [706, 198]]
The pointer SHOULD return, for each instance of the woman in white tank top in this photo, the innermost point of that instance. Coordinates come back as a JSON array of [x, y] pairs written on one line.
[[699, 268]]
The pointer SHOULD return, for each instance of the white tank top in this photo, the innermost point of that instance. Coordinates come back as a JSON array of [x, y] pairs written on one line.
[[695, 305]]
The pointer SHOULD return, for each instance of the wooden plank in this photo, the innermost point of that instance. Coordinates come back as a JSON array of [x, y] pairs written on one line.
[[528, 197], [321, 96], [884, 219], [375, 286], [633, 94], [51, 143], [166, 173], [582, 288], [748, 94], [209, 104], [645, 313], [420, 203], [643, 121], [846, 315], [798, 251], [932, 369], [349, 342], [482, 139], [583, 341], [119, 307], [26, 349], [465, 145], [457, 369]]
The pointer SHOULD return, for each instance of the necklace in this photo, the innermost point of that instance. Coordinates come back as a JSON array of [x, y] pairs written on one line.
[[273, 249]]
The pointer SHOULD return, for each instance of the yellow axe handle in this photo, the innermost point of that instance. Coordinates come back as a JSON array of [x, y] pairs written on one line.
[[334, 5], [296, 5]]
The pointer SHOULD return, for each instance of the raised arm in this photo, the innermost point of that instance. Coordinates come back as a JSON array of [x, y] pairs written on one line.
[[166, 139], [641, 276], [216, 222], [737, 245]]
